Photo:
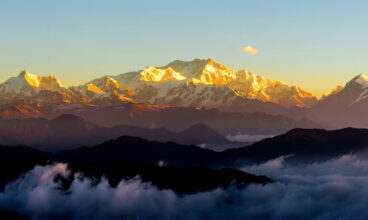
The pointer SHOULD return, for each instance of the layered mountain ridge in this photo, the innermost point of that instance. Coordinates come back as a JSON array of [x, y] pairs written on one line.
[[69, 131]]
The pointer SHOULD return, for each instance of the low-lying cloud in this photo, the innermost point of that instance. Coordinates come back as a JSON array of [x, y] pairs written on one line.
[[248, 137], [335, 189]]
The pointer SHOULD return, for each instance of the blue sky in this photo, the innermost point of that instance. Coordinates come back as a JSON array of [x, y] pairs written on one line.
[[314, 44]]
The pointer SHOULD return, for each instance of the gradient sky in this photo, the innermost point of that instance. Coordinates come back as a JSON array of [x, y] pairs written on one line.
[[314, 44]]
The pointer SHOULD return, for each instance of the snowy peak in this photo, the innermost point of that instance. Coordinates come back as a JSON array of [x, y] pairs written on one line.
[[27, 83], [106, 83], [43, 82], [358, 87], [206, 71], [244, 83], [50, 83], [93, 88], [355, 92], [216, 73], [29, 78], [199, 83], [353, 89], [110, 84], [188, 69], [345, 106], [206, 82], [361, 79], [32, 89], [105, 90], [153, 74], [209, 71]]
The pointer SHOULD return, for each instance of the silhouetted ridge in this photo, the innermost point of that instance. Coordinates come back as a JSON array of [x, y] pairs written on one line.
[[134, 149], [165, 165], [69, 131], [17, 160], [305, 146]]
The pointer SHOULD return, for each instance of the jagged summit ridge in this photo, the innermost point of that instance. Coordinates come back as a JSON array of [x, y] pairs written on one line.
[[200, 82], [361, 79], [158, 75], [27, 85]]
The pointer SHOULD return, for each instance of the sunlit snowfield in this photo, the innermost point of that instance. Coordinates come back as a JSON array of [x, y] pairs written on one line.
[[334, 189]]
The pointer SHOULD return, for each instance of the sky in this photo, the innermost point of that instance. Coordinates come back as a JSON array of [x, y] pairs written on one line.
[[314, 44]]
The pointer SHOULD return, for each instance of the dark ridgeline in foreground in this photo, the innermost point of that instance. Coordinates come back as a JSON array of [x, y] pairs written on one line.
[[183, 180], [127, 157], [302, 146], [187, 168], [8, 215], [16, 160], [134, 149]]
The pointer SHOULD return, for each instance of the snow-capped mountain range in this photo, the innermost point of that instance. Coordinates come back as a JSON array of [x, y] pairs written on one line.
[[199, 82]]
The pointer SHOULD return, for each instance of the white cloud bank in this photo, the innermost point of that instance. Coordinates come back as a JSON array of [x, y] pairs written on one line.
[[335, 189]]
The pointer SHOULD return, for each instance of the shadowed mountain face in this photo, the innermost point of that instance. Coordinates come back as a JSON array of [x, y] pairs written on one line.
[[178, 119], [64, 131], [69, 131]]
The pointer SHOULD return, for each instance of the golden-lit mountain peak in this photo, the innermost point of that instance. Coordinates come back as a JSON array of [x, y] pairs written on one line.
[[95, 89], [27, 84], [31, 79], [153, 74], [200, 82], [203, 81], [111, 82]]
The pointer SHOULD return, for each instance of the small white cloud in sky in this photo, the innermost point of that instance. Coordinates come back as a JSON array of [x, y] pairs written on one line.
[[248, 49]]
